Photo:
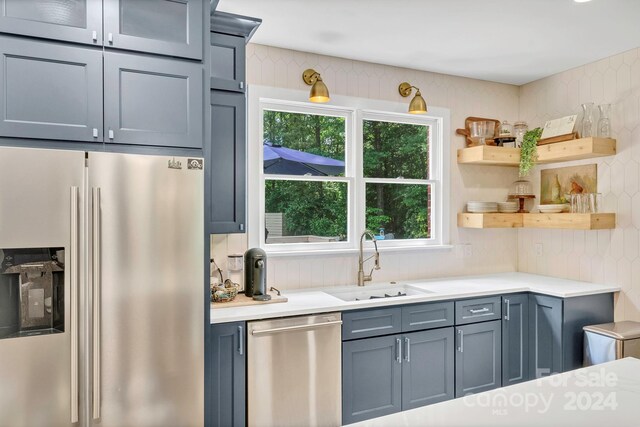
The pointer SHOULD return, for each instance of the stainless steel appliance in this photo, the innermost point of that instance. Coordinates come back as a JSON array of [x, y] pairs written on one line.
[[294, 371], [129, 347], [611, 341], [255, 273]]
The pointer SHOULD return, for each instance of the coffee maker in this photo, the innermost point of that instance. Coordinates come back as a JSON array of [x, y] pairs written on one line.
[[255, 274]]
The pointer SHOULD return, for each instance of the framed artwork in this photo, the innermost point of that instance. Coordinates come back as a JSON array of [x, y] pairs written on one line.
[[556, 183]]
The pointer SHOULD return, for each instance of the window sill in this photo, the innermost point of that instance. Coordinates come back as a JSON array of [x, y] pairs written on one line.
[[368, 249]]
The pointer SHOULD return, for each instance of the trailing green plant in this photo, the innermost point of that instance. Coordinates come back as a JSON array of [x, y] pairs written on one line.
[[529, 150]]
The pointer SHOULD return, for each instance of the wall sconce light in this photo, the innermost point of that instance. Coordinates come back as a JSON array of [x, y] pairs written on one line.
[[319, 92], [417, 105]]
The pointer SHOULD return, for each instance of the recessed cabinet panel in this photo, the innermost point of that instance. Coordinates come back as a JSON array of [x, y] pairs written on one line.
[[166, 27], [152, 101], [77, 21], [226, 161], [50, 91], [227, 62], [478, 357], [371, 378], [515, 339], [545, 335], [427, 370]]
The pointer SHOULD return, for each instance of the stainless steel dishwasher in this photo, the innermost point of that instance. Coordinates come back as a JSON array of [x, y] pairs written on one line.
[[294, 371]]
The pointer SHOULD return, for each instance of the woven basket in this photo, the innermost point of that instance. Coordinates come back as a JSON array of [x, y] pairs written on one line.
[[224, 293]]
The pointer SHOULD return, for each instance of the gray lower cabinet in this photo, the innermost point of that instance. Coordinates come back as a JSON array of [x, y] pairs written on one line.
[[78, 21], [371, 378], [50, 90], [427, 367], [515, 339], [555, 330], [226, 159], [226, 388], [227, 62], [545, 336], [478, 357], [152, 101], [166, 27]]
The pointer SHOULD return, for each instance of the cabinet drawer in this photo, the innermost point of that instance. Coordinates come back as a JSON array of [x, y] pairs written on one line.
[[427, 316], [371, 323], [478, 310]]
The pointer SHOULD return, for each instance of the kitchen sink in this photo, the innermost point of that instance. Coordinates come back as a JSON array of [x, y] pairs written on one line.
[[376, 291]]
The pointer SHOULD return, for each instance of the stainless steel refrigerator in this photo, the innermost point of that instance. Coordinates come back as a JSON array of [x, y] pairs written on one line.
[[101, 289]]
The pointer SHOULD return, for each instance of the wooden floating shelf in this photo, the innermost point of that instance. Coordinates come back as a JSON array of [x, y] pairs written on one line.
[[576, 149], [568, 221]]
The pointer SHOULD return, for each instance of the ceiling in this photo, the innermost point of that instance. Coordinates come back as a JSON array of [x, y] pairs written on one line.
[[507, 41]]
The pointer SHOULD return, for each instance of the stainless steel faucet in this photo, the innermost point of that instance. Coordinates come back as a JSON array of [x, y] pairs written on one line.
[[376, 263]]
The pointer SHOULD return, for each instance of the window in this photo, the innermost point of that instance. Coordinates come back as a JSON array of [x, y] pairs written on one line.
[[320, 174], [396, 172]]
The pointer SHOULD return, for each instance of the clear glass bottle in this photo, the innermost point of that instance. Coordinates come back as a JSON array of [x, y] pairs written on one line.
[[587, 120], [604, 122], [519, 129]]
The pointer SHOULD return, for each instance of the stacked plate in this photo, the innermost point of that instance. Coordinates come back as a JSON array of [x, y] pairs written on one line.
[[508, 207], [556, 208], [482, 207]]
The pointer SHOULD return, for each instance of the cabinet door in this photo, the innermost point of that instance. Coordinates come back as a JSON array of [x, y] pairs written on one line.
[[371, 378], [515, 339], [227, 62], [427, 370], [478, 357], [77, 21], [226, 161], [165, 27], [545, 335], [152, 101], [225, 406], [50, 91]]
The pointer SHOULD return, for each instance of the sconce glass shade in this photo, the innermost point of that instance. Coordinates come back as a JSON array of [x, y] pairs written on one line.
[[418, 105], [319, 92]]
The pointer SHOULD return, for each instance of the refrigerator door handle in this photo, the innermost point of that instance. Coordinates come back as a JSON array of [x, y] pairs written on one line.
[[75, 264], [96, 229]]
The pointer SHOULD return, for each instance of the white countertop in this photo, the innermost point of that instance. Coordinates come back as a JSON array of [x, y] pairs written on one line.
[[311, 301], [601, 395]]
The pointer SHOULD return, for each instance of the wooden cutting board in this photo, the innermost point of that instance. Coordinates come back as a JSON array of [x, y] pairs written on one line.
[[243, 300]]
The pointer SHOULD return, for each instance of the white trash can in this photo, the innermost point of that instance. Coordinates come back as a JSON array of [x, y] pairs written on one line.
[[611, 341]]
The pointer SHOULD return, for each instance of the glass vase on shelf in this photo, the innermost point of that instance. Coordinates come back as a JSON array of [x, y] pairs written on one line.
[[587, 120], [604, 122]]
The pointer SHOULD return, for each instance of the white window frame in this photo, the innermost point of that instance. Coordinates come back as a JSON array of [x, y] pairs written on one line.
[[354, 110]]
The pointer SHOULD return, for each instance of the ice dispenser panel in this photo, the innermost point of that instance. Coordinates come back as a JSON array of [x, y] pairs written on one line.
[[31, 292]]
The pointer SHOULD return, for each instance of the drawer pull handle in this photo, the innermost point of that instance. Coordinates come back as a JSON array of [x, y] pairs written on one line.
[[480, 310]]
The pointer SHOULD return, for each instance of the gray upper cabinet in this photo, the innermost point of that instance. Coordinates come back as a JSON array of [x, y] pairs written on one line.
[[165, 27], [226, 163], [515, 339], [152, 101], [77, 21], [427, 368], [227, 62], [50, 91], [478, 357]]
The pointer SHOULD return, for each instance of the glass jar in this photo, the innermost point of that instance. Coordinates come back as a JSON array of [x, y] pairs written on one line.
[[521, 187], [506, 130], [519, 129], [604, 123], [587, 120]]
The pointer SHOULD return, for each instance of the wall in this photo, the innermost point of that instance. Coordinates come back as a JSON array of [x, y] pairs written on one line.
[[493, 250], [607, 256]]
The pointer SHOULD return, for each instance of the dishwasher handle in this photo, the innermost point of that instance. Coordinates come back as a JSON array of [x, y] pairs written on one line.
[[294, 328]]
